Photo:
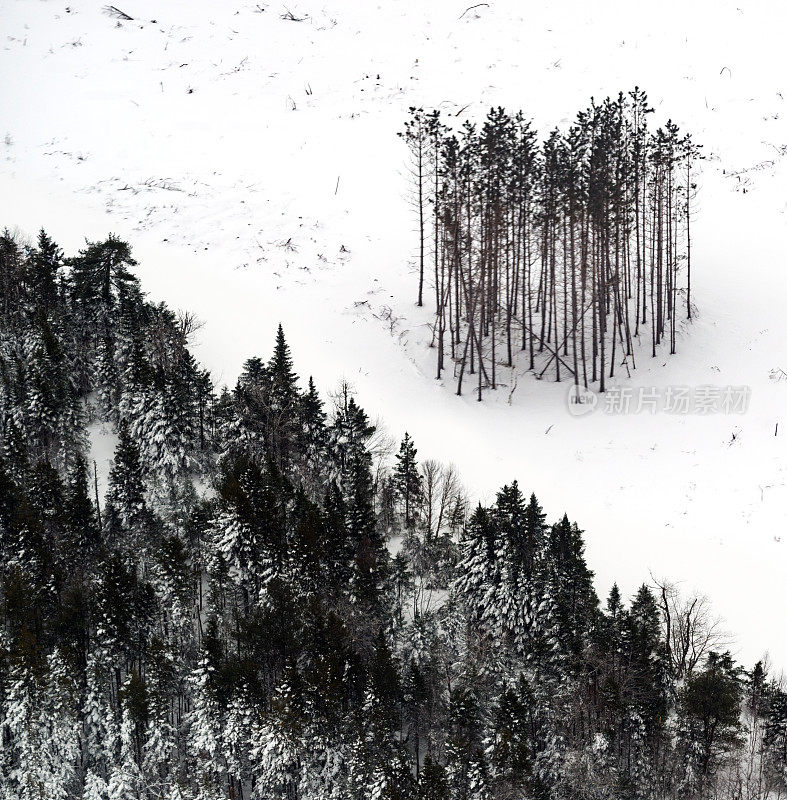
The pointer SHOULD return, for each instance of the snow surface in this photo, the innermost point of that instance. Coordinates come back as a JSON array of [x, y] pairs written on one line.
[[242, 153], [103, 442]]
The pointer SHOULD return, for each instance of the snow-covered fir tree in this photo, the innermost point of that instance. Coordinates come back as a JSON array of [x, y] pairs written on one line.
[[267, 605]]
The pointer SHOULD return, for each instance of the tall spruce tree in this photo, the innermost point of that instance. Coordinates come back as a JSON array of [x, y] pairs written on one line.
[[408, 480]]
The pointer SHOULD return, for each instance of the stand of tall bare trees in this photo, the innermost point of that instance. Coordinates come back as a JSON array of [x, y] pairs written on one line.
[[565, 252]]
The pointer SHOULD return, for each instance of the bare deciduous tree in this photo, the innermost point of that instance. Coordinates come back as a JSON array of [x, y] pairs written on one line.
[[691, 630]]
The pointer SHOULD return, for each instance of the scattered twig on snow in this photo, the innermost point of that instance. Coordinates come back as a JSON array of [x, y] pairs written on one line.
[[470, 8], [115, 12], [386, 315], [288, 15]]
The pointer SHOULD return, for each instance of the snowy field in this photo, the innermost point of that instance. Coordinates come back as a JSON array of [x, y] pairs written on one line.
[[252, 161]]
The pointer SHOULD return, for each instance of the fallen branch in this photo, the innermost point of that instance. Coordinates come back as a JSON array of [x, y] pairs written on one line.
[[470, 8], [113, 11]]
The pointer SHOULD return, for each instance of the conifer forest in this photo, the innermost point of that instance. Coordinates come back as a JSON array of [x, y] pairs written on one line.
[[568, 256], [275, 600]]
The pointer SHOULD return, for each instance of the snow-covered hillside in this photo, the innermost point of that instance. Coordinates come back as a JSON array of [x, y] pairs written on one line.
[[252, 161]]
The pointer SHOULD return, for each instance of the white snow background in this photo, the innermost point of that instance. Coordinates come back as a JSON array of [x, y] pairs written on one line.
[[241, 152]]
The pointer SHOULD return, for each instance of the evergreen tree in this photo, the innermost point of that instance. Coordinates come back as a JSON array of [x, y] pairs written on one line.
[[45, 264], [313, 435], [126, 492], [711, 702], [275, 637], [511, 745], [101, 278], [407, 480], [83, 536], [283, 403]]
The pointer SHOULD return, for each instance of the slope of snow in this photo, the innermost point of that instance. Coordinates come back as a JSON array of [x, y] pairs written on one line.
[[103, 442], [252, 162]]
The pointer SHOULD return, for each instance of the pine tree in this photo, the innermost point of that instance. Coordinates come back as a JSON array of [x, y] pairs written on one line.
[[99, 725], [648, 667], [571, 586], [126, 779], [408, 480], [275, 752], [12, 283], [159, 743], [129, 524], [339, 549], [45, 263], [101, 278], [83, 535], [476, 581], [313, 435], [711, 702], [349, 435], [52, 410], [370, 556], [263, 641], [126, 492], [466, 764], [204, 732], [432, 781], [15, 454], [416, 136], [775, 736], [539, 236], [510, 747], [27, 776], [242, 416], [283, 403]]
